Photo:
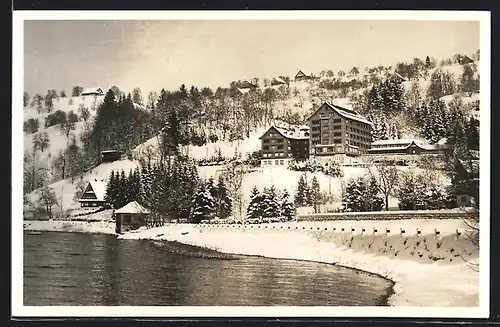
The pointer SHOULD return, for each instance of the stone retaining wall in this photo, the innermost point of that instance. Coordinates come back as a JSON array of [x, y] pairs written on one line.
[[388, 215]]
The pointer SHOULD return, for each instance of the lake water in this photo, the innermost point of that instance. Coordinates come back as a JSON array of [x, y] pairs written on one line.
[[85, 269]]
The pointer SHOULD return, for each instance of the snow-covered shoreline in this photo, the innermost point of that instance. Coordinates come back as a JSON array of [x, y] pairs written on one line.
[[419, 281]]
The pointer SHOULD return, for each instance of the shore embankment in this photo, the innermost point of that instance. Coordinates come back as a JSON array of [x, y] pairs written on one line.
[[431, 261]]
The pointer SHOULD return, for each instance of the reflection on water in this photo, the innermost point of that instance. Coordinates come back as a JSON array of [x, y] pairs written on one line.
[[85, 269]]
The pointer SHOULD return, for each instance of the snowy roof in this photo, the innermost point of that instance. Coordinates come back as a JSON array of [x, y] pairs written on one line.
[[99, 188], [92, 90], [132, 207], [277, 80], [344, 112], [243, 91], [246, 84], [399, 75], [403, 144], [291, 131], [305, 73], [399, 141]]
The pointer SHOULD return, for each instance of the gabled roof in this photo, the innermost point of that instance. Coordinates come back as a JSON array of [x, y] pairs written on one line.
[[246, 84], [99, 189], [344, 112], [399, 142], [92, 90], [290, 132], [277, 81], [307, 74], [243, 91], [132, 207]]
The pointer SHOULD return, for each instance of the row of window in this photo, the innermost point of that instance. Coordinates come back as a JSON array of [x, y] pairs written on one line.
[[390, 145], [360, 138], [274, 147], [359, 124], [359, 131], [278, 154], [276, 162], [274, 141], [328, 149]]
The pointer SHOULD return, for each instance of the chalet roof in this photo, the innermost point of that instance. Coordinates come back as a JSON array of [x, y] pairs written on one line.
[[246, 84], [277, 80], [132, 207], [243, 90], [92, 90], [99, 188], [400, 141], [305, 73], [344, 112], [289, 131], [403, 144]]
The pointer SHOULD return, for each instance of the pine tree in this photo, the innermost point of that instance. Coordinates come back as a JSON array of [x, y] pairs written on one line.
[[210, 185], [287, 207], [110, 196], [254, 209], [223, 200], [373, 201], [353, 197], [121, 193], [270, 203], [315, 194], [301, 193], [203, 205]]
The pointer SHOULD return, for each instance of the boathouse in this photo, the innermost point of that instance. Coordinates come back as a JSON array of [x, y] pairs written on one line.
[[131, 216]]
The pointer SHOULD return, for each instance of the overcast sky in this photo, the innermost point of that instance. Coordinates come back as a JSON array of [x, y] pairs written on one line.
[[165, 54]]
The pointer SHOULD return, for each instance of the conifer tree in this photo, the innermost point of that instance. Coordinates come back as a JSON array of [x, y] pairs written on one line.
[[353, 197], [301, 193], [121, 193], [270, 203], [287, 206], [315, 194], [254, 209], [110, 196], [203, 205], [223, 200], [373, 201]]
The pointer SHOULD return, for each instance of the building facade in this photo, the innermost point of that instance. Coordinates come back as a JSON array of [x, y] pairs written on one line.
[[282, 144], [337, 133], [405, 147], [94, 194], [303, 76]]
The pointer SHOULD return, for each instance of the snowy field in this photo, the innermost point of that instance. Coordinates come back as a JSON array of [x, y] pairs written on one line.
[[419, 282]]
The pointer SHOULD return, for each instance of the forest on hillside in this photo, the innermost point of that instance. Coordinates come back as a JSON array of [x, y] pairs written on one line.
[[197, 116]]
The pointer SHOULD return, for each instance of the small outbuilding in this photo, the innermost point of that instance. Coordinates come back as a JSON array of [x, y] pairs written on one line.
[[131, 216], [110, 155], [94, 91]]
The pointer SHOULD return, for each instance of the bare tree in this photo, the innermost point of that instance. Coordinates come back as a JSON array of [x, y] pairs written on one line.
[[386, 176], [48, 199], [80, 187]]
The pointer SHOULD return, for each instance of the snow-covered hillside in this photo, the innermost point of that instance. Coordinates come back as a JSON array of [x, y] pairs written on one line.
[[65, 189], [58, 141]]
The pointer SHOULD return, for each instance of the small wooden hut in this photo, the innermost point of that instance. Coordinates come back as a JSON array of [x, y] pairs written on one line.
[[131, 216]]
